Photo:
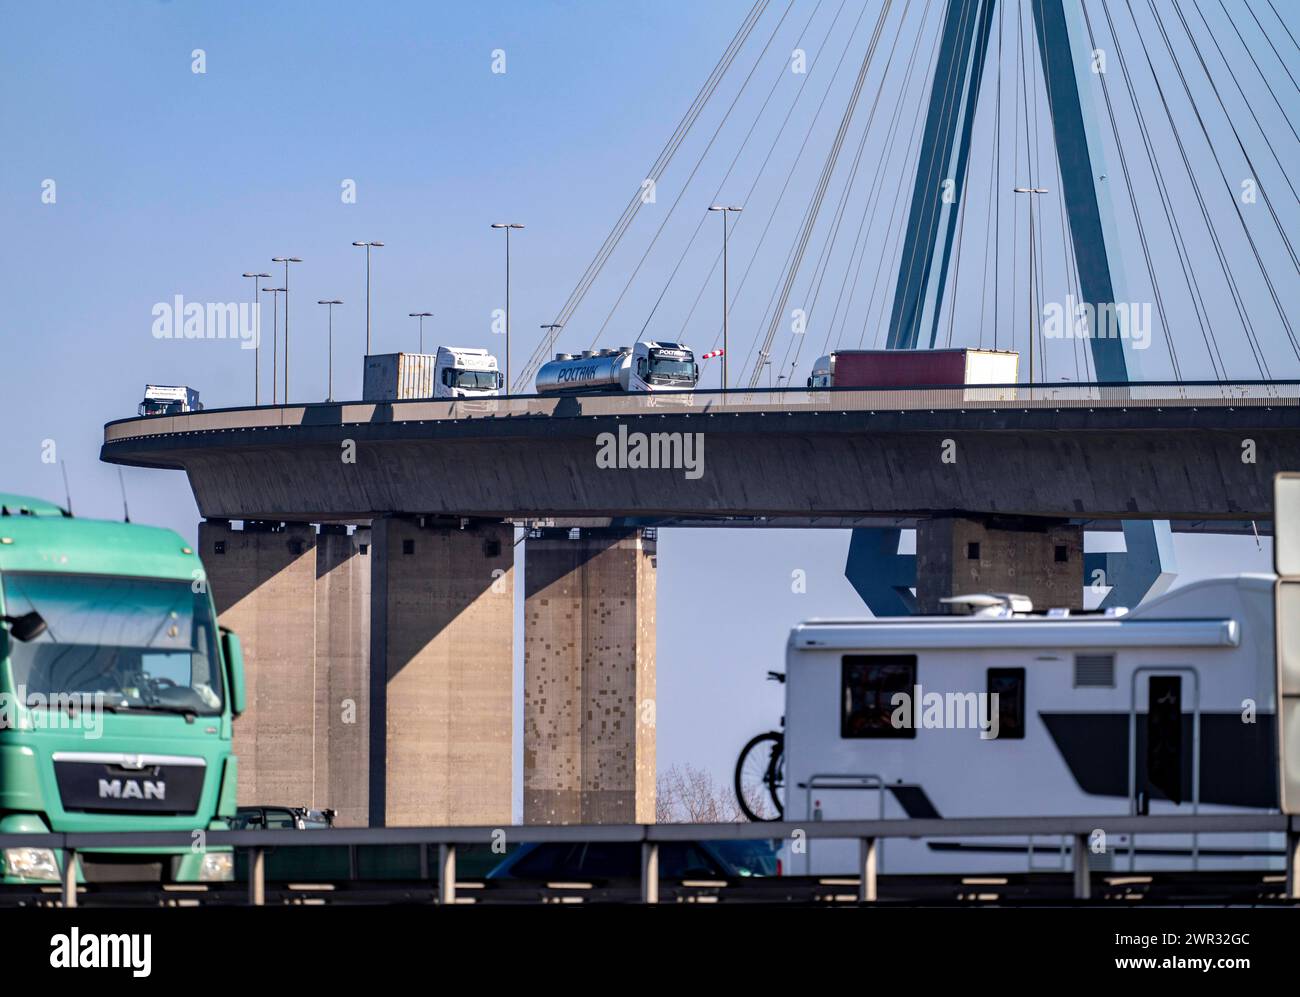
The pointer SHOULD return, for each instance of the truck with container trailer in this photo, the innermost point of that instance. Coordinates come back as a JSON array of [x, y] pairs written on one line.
[[118, 691], [646, 366], [451, 372], [914, 368]]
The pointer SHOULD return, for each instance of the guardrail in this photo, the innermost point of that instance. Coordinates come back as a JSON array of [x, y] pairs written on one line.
[[866, 832], [1146, 395]]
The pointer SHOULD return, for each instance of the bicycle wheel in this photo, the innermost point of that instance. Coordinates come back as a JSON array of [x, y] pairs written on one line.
[[758, 769]]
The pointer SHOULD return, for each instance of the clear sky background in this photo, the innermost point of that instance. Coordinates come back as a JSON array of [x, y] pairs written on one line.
[[170, 182]]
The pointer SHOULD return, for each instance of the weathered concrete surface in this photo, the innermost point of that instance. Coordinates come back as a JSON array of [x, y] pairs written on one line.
[[343, 674], [1174, 462], [1041, 561], [264, 585], [441, 696], [589, 678]]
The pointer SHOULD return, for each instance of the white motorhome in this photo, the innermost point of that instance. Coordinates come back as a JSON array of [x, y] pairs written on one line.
[[646, 366], [452, 372], [1169, 708]]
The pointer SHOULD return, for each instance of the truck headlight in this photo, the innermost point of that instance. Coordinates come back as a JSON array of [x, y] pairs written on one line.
[[217, 867], [32, 863]]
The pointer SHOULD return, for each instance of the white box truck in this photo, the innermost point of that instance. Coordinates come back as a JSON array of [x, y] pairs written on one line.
[[452, 372], [169, 399]]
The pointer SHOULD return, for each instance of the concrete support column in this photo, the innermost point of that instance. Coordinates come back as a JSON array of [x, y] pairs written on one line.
[[343, 674], [589, 677], [956, 556], [263, 581], [441, 690]]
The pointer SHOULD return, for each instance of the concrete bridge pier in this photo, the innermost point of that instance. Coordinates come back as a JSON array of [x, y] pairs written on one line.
[[1041, 559], [379, 665], [589, 677], [442, 672], [263, 582], [343, 562]]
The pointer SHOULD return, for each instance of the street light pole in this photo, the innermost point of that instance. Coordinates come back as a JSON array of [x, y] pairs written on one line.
[[257, 334], [724, 209], [421, 316], [1033, 192], [507, 226], [286, 260], [329, 391], [369, 246], [275, 337], [551, 328]]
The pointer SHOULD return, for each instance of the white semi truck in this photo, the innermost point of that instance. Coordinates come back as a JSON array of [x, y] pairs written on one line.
[[452, 372], [646, 366]]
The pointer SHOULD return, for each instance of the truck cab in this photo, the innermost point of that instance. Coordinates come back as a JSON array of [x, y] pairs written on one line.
[[118, 692], [169, 399], [462, 372]]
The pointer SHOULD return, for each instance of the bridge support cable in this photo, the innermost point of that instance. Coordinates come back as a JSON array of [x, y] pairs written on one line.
[[685, 186], [1259, 180], [702, 97], [1250, 53], [1233, 288], [1247, 102], [824, 257], [1241, 218], [819, 195], [1143, 241], [717, 194], [966, 26], [1167, 208], [717, 260], [891, 243], [839, 318]]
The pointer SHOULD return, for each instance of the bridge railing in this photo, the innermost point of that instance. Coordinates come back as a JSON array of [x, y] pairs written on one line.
[[765, 400], [866, 833]]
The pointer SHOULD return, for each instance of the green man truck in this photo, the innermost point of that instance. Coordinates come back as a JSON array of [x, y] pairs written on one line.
[[117, 695]]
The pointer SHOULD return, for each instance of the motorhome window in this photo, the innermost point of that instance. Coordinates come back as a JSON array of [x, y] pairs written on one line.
[[1008, 684], [868, 684]]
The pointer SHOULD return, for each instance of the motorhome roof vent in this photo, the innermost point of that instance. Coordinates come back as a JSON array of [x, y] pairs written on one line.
[[1094, 670], [989, 604]]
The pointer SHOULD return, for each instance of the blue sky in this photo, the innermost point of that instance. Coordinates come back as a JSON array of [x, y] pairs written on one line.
[[171, 182]]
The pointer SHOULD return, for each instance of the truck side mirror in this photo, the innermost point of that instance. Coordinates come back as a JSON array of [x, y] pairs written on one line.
[[27, 627], [501, 380], [234, 655]]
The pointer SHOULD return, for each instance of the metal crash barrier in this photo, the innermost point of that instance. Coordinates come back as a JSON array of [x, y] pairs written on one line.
[[868, 834]]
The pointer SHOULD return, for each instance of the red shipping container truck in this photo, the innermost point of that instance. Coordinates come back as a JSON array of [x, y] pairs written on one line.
[[914, 368]]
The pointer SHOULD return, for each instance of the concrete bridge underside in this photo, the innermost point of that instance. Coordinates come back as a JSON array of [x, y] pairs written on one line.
[[380, 661], [1201, 463]]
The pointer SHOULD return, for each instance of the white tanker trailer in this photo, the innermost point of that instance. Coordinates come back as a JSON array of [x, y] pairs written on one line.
[[646, 366]]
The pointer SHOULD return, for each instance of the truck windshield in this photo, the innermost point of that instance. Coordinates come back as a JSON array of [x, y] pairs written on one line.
[[144, 644], [672, 369], [473, 378]]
